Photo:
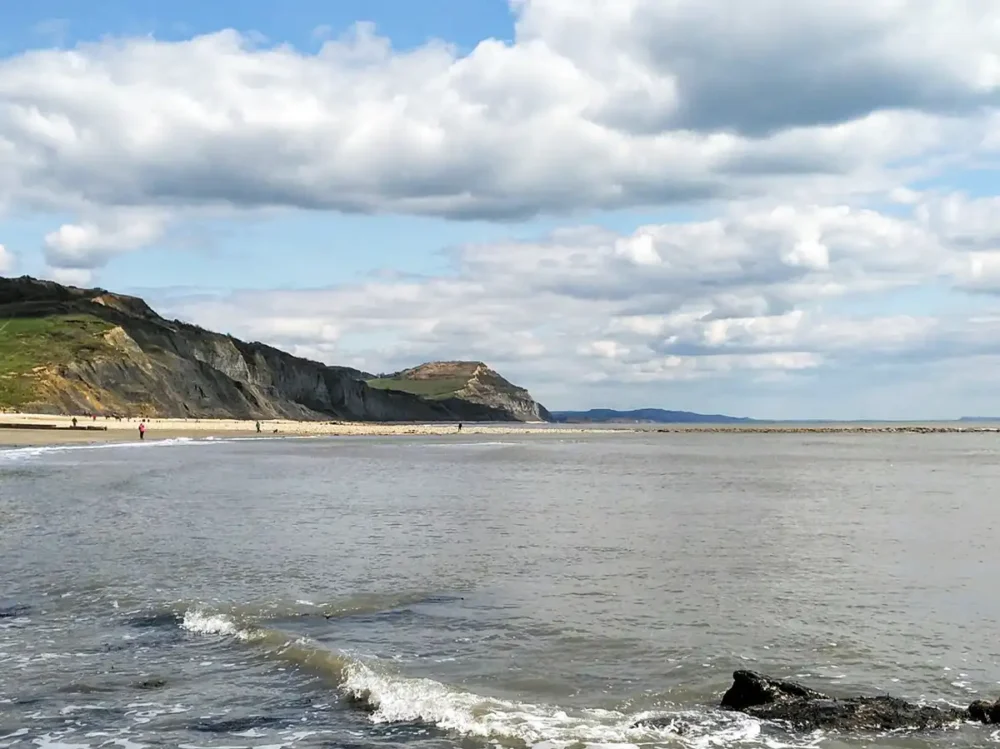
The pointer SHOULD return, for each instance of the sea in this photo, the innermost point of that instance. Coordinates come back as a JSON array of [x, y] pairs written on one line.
[[482, 591]]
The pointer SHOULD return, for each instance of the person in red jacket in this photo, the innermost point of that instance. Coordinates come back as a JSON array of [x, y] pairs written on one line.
[[142, 430]]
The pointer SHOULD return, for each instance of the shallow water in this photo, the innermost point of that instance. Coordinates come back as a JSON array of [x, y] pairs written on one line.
[[528, 591]]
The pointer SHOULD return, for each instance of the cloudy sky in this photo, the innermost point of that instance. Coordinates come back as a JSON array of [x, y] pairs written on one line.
[[792, 212]]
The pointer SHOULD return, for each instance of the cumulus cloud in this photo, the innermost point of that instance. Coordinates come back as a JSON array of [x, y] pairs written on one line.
[[593, 105], [90, 244], [756, 293], [714, 66], [799, 130]]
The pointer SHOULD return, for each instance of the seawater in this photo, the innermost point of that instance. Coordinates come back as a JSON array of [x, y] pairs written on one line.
[[489, 591]]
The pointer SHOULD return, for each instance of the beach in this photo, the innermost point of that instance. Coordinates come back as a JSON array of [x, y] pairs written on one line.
[[30, 429], [46, 429]]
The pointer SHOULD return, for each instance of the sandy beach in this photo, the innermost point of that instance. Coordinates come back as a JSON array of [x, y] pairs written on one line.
[[112, 430], [16, 429]]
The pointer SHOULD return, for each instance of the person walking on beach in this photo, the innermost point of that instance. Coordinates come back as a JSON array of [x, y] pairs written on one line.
[[142, 430], [74, 422], [258, 427]]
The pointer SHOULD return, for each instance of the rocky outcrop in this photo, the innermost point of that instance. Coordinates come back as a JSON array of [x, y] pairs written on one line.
[[143, 364], [488, 388], [806, 709]]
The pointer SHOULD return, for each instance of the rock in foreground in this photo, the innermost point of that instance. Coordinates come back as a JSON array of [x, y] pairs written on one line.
[[806, 709]]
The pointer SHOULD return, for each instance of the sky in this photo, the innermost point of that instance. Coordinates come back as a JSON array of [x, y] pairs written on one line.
[[792, 213]]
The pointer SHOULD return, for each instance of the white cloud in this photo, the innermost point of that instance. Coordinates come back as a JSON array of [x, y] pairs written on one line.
[[970, 223], [90, 244], [594, 105], [732, 297], [784, 64], [786, 128], [7, 260]]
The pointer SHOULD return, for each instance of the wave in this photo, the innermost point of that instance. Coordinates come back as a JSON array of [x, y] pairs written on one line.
[[388, 697], [37, 451]]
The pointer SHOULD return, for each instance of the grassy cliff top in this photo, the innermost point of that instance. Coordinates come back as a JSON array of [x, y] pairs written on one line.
[[29, 345], [435, 389]]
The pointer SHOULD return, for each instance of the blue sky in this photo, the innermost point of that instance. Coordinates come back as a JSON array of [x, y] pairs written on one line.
[[616, 205], [302, 24]]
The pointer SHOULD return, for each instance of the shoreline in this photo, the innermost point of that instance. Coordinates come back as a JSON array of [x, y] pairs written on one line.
[[33, 430]]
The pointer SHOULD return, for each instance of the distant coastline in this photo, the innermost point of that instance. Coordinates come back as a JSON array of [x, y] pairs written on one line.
[[642, 416], [654, 416]]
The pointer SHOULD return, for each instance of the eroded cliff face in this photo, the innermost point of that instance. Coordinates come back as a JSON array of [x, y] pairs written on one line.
[[490, 389], [477, 383], [146, 365]]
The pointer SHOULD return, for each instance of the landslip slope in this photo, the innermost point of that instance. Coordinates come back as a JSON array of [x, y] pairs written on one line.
[[70, 350]]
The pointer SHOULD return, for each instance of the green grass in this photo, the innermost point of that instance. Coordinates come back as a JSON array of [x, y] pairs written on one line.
[[30, 342], [434, 389]]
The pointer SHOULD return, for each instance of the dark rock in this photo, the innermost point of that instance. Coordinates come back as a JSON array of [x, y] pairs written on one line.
[[858, 714], [806, 709], [750, 689], [985, 712]]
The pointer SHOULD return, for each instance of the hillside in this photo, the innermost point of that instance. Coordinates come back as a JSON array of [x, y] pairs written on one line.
[[643, 415], [469, 381], [70, 350]]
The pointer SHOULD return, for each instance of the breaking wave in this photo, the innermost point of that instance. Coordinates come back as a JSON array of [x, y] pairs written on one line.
[[388, 697]]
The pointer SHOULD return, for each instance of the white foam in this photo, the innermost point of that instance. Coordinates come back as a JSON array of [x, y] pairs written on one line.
[[212, 624], [71, 709], [399, 699], [26, 453]]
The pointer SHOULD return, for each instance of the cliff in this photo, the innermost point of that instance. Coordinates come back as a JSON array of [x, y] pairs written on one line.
[[70, 350], [469, 381]]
